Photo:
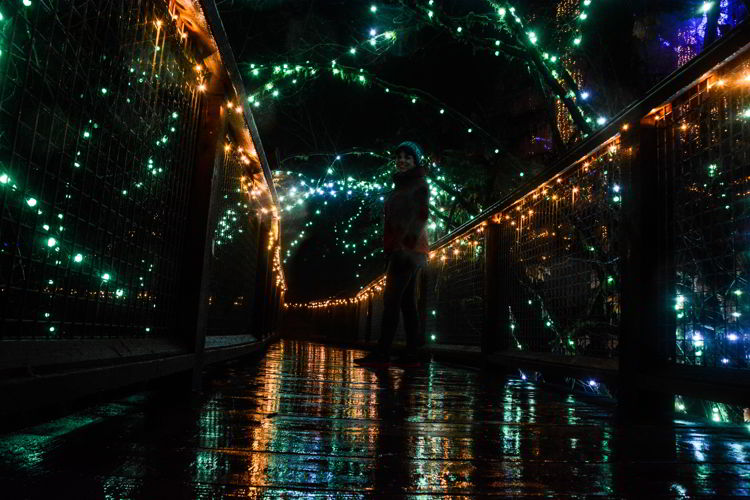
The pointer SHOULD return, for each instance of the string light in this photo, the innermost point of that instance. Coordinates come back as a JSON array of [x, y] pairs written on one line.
[[297, 191], [308, 71]]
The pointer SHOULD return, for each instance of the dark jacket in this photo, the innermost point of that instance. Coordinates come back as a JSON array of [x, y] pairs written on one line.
[[406, 211]]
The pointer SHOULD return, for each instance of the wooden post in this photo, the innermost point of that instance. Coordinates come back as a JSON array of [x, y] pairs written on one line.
[[204, 190], [495, 335], [647, 332]]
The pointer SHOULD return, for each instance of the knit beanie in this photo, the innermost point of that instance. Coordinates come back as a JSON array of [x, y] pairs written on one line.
[[413, 149]]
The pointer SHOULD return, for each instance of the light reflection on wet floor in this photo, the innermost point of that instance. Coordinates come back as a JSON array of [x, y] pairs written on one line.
[[304, 421]]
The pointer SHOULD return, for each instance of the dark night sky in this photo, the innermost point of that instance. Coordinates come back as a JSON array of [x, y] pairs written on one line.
[[329, 115]]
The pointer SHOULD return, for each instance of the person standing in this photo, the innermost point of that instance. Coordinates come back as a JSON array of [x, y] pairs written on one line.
[[406, 247]]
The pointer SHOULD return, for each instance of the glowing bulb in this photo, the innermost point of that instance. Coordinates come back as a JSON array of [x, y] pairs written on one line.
[[78, 258], [373, 8], [51, 242], [706, 7], [31, 202], [601, 120]]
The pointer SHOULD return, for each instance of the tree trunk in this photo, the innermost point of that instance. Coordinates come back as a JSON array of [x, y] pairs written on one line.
[[712, 24], [551, 117]]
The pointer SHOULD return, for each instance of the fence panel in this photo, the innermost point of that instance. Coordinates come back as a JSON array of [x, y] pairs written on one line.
[[704, 154], [234, 249], [362, 319], [98, 122], [455, 292], [559, 254]]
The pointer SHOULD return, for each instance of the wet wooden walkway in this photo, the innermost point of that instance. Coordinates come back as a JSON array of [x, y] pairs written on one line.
[[304, 421]]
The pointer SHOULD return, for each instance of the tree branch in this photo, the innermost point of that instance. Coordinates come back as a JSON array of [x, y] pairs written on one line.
[[470, 207]]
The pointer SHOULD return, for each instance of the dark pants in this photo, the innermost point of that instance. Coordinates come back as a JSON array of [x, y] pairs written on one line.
[[400, 296]]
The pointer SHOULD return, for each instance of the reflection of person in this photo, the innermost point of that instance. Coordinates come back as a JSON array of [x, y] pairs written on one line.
[[406, 246], [393, 450]]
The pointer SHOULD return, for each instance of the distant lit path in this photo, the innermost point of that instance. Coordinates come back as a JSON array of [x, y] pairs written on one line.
[[305, 422]]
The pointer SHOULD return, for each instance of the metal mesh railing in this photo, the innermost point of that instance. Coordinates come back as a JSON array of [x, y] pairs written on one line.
[[98, 120], [558, 259], [234, 250], [455, 291], [704, 154]]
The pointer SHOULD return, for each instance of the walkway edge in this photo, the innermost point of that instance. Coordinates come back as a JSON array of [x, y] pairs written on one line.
[[33, 392]]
